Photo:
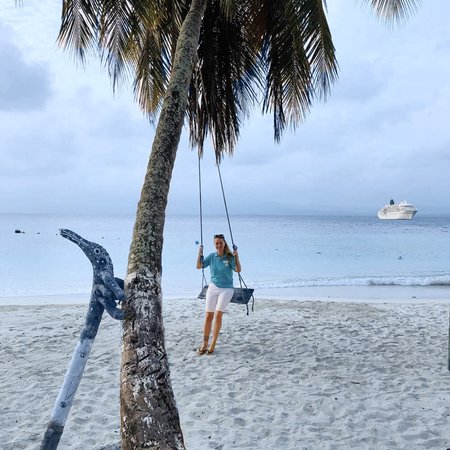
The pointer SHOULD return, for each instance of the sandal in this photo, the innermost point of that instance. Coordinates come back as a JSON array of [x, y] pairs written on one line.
[[204, 348], [209, 352]]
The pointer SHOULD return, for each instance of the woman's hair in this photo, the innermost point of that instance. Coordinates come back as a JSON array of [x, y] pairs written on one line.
[[226, 249]]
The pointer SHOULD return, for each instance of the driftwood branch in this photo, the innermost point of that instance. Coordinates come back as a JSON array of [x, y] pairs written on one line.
[[106, 291]]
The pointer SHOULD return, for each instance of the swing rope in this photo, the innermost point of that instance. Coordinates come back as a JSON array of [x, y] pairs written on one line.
[[204, 282], [201, 217], [225, 204], [228, 219]]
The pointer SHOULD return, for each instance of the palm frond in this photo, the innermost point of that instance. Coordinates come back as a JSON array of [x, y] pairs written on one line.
[[79, 26], [228, 8], [222, 89], [152, 71], [394, 10], [297, 56], [139, 37], [116, 36], [319, 46], [153, 50], [135, 38]]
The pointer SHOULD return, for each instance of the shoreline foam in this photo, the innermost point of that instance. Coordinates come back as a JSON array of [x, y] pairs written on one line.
[[357, 294]]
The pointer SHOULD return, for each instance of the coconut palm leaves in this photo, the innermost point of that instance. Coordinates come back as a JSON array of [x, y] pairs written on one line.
[[278, 55], [135, 39], [394, 10]]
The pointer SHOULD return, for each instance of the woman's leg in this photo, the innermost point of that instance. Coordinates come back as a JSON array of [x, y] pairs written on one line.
[[217, 326], [224, 299], [212, 296], [206, 331]]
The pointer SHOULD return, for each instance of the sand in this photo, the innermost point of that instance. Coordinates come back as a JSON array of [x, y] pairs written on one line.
[[291, 375]]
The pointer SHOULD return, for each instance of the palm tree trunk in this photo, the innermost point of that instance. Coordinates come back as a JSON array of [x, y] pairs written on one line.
[[149, 416]]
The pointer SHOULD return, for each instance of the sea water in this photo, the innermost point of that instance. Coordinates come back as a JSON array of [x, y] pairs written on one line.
[[281, 256]]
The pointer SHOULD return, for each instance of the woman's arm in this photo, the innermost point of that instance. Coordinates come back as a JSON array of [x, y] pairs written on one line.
[[237, 262], [200, 257]]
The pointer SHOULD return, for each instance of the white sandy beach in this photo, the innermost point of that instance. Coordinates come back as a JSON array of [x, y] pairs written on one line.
[[291, 375]]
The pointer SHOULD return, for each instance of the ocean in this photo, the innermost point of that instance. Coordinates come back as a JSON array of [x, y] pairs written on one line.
[[282, 256]]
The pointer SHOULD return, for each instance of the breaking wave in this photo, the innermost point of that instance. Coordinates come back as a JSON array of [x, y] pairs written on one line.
[[439, 280]]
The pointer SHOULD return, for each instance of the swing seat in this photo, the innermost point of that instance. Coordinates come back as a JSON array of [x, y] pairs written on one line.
[[241, 295]]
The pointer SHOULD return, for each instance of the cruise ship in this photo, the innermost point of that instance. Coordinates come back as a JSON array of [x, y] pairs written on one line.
[[400, 211]]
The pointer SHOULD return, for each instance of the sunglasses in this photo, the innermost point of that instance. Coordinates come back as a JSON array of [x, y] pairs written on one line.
[[218, 236]]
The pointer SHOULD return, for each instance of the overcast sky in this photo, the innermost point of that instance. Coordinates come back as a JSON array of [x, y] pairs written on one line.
[[68, 145]]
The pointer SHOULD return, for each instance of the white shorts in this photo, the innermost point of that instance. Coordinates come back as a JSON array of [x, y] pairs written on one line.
[[218, 298]]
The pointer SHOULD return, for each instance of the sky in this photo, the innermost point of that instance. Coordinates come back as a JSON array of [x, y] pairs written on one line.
[[68, 145]]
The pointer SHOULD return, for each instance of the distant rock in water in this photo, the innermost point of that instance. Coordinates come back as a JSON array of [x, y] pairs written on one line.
[[18, 231]]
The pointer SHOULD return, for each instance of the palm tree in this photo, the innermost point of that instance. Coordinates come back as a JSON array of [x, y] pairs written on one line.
[[212, 61]]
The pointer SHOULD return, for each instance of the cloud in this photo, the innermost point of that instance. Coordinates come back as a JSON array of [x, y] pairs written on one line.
[[66, 159], [23, 86], [72, 146]]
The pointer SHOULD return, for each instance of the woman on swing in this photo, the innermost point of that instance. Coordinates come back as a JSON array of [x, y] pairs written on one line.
[[220, 291]]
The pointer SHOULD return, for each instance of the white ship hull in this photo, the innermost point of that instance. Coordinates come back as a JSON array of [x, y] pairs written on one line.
[[402, 211]]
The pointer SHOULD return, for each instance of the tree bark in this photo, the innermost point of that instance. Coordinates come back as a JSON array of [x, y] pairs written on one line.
[[149, 416]]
